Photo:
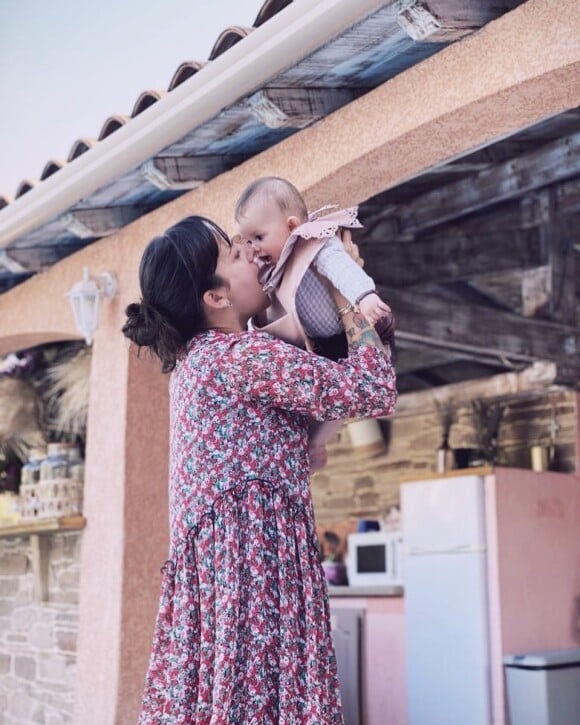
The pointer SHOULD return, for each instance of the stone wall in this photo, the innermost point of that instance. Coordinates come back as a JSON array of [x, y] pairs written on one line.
[[38, 639], [355, 485]]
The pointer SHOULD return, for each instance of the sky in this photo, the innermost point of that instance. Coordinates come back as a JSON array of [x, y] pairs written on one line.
[[67, 65]]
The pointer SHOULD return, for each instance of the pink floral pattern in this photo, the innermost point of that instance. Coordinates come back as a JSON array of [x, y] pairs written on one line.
[[243, 633]]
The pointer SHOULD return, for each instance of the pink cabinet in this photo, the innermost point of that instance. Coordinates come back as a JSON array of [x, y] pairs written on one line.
[[382, 662]]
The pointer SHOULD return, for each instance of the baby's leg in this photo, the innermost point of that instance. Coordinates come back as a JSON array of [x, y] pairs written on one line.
[[333, 348]]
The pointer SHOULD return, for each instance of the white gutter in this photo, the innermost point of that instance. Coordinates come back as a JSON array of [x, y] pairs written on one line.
[[287, 38]]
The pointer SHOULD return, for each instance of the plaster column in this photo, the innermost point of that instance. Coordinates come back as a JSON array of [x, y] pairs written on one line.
[[125, 541]]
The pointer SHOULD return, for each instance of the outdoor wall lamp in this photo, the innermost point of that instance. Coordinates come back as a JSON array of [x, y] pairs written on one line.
[[85, 299]]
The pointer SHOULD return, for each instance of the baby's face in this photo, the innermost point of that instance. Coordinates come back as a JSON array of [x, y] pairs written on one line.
[[265, 228]]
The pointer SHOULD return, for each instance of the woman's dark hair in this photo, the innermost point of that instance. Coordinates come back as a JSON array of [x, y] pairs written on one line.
[[175, 271]]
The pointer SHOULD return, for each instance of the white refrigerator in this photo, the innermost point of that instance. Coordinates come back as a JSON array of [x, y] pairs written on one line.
[[446, 602], [491, 568]]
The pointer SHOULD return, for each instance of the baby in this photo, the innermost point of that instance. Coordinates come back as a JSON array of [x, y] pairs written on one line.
[[293, 249]]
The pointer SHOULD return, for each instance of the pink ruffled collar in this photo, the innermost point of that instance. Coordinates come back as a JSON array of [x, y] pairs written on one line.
[[318, 226]]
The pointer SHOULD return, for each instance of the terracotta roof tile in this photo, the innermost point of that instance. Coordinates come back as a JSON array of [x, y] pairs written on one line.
[[23, 187], [228, 38], [269, 9], [50, 168], [80, 147], [112, 124], [145, 100], [186, 70]]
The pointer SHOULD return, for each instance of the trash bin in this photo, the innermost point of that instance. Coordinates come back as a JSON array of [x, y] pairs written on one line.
[[543, 688]]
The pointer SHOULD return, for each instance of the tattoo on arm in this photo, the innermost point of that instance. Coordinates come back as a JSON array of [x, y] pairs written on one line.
[[361, 333], [360, 321]]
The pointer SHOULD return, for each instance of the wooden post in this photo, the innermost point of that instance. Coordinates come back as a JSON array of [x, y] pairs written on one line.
[[39, 546]]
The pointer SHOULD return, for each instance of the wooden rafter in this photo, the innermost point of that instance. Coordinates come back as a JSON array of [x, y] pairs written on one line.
[[477, 329], [297, 107], [187, 172], [440, 20], [453, 256], [537, 376], [545, 166]]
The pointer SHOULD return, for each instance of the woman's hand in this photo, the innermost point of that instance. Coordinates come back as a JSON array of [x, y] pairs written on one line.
[[350, 247]]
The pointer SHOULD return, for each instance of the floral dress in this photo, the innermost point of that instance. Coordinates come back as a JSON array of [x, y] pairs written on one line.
[[243, 633]]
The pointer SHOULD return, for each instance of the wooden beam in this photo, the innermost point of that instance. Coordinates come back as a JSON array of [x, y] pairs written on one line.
[[560, 239], [538, 376], [94, 223], [474, 328], [38, 256], [545, 166], [438, 21], [523, 292], [297, 107], [567, 197], [455, 255], [39, 548], [10, 263], [382, 226], [412, 357], [187, 172], [548, 290]]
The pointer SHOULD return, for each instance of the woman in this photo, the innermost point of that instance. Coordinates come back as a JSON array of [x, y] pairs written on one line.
[[243, 634]]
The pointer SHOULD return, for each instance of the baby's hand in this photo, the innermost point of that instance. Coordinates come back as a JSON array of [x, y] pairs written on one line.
[[373, 308]]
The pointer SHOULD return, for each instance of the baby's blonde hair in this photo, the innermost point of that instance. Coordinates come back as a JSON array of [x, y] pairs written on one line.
[[273, 188]]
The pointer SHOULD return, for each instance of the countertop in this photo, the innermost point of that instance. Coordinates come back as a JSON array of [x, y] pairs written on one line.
[[346, 591]]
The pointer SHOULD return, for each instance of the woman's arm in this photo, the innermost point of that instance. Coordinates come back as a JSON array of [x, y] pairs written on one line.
[[265, 370], [357, 329]]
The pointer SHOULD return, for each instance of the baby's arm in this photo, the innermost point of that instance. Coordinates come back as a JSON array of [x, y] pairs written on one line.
[[334, 263]]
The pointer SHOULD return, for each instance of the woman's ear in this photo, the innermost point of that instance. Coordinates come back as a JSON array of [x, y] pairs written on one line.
[[293, 222], [217, 298]]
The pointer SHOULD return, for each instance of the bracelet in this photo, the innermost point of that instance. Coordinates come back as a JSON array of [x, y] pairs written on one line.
[[364, 294], [347, 309]]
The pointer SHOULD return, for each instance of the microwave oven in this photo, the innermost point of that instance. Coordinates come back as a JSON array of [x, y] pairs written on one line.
[[375, 558]]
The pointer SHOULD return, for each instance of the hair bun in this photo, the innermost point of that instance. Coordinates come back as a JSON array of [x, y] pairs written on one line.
[[142, 323], [147, 327]]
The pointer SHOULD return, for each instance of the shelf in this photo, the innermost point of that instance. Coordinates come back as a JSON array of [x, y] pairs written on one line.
[[39, 545], [473, 471], [44, 526], [366, 591]]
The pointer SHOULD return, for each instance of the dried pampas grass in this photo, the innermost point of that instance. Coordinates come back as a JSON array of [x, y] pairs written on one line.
[[20, 407], [67, 394]]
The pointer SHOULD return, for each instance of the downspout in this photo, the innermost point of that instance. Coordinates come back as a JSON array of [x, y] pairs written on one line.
[[288, 37]]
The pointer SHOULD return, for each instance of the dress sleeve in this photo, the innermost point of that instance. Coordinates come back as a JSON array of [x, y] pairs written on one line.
[[335, 264], [269, 371]]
